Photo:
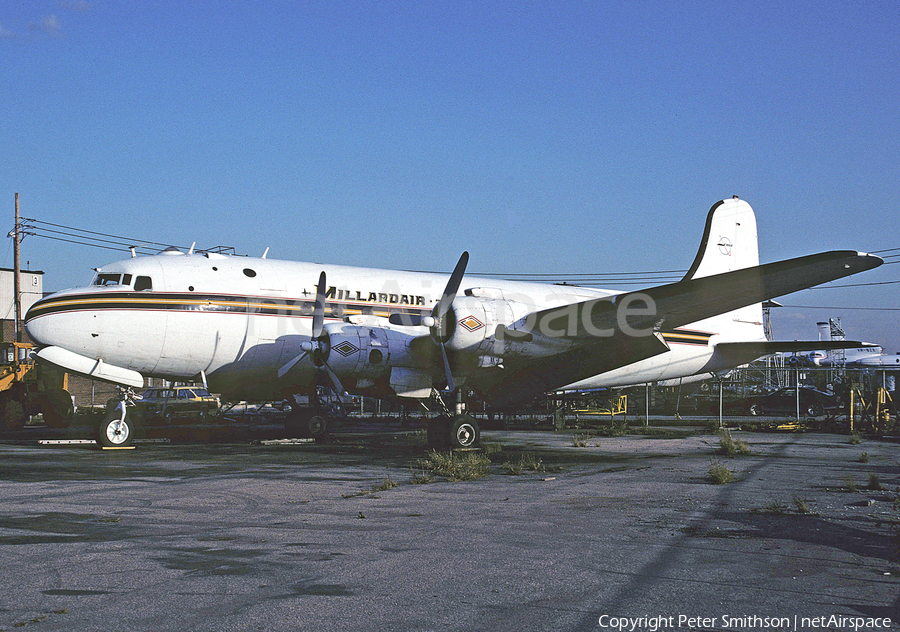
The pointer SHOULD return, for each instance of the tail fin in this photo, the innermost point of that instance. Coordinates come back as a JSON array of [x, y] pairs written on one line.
[[730, 243], [729, 240]]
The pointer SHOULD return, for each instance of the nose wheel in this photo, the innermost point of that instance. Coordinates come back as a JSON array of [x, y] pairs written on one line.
[[116, 432]]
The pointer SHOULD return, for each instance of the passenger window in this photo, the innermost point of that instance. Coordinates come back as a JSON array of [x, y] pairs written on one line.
[[126, 279], [184, 395], [143, 283]]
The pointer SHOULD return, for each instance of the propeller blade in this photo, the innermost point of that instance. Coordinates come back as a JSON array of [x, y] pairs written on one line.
[[334, 379], [452, 286], [319, 310], [290, 364], [447, 372]]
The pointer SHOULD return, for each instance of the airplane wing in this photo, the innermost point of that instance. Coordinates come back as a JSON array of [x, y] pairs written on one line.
[[692, 300], [613, 332]]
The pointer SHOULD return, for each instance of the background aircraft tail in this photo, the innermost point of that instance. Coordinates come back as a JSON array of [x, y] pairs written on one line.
[[730, 243]]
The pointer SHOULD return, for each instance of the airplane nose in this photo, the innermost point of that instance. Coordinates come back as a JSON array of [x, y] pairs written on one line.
[[33, 325]]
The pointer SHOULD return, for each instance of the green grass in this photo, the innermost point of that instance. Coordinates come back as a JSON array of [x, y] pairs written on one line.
[[802, 506], [874, 483], [527, 462], [731, 448], [719, 474], [386, 484], [467, 467]]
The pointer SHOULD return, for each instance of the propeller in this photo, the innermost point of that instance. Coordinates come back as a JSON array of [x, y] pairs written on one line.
[[316, 345], [435, 321]]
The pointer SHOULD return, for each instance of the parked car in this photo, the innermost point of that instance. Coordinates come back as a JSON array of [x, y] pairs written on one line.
[[169, 404], [813, 403]]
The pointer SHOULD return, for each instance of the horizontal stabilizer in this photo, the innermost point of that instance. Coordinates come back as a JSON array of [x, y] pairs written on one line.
[[777, 346]]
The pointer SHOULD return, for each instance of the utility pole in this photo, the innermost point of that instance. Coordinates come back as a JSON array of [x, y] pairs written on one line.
[[17, 290]]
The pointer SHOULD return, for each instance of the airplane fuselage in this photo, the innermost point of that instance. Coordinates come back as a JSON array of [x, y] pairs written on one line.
[[236, 320]]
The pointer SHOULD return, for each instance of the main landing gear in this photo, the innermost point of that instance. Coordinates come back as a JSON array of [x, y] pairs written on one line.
[[453, 433], [312, 422]]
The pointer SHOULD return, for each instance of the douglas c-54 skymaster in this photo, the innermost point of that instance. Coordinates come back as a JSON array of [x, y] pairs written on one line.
[[260, 329]]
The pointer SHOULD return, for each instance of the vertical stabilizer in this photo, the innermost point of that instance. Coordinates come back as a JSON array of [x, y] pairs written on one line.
[[730, 243], [729, 240]]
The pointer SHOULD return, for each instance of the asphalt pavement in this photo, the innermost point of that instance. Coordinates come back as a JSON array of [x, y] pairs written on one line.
[[608, 532]]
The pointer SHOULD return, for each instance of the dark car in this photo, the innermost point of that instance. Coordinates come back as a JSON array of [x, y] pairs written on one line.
[[813, 403], [177, 402]]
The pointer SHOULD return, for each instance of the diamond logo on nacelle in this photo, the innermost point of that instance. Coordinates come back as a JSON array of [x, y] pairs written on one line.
[[345, 348], [471, 323]]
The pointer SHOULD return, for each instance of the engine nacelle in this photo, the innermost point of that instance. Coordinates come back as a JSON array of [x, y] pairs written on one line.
[[367, 352], [485, 326]]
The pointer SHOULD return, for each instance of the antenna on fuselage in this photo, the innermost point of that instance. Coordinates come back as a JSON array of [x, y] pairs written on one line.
[[265, 253], [191, 251]]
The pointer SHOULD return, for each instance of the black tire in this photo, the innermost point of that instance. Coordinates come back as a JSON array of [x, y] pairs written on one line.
[[756, 410], [464, 432], [57, 408], [815, 410], [115, 434], [317, 427], [301, 424]]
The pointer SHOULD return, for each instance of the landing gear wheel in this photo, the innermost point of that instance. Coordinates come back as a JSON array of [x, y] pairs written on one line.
[[57, 408], [464, 432], [756, 410], [115, 432], [305, 426], [317, 428], [815, 410]]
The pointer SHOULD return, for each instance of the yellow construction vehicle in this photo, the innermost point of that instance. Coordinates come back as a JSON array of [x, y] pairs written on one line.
[[26, 390]]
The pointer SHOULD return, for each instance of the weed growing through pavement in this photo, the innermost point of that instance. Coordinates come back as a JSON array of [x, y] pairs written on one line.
[[776, 508], [526, 463], [850, 483], [864, 457], [468, 467], [386, 484], [731, 448], [802, 507], [579, 441], [874, 483], [719, 474], [855, 439]]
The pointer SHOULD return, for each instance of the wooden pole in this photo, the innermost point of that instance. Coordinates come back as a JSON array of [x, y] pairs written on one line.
[[17, 290]]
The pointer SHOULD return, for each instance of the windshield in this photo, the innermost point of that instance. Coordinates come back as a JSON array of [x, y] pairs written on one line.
[[112, 279]]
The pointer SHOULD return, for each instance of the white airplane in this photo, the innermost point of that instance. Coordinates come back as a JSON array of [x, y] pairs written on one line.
[[862, 355], [260, 329]]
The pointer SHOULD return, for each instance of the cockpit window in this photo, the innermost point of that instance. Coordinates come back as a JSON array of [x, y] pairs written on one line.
[[108, 280], [143, 283]]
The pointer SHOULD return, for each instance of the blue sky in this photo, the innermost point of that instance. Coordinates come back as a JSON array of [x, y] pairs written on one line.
[[563, 137]]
